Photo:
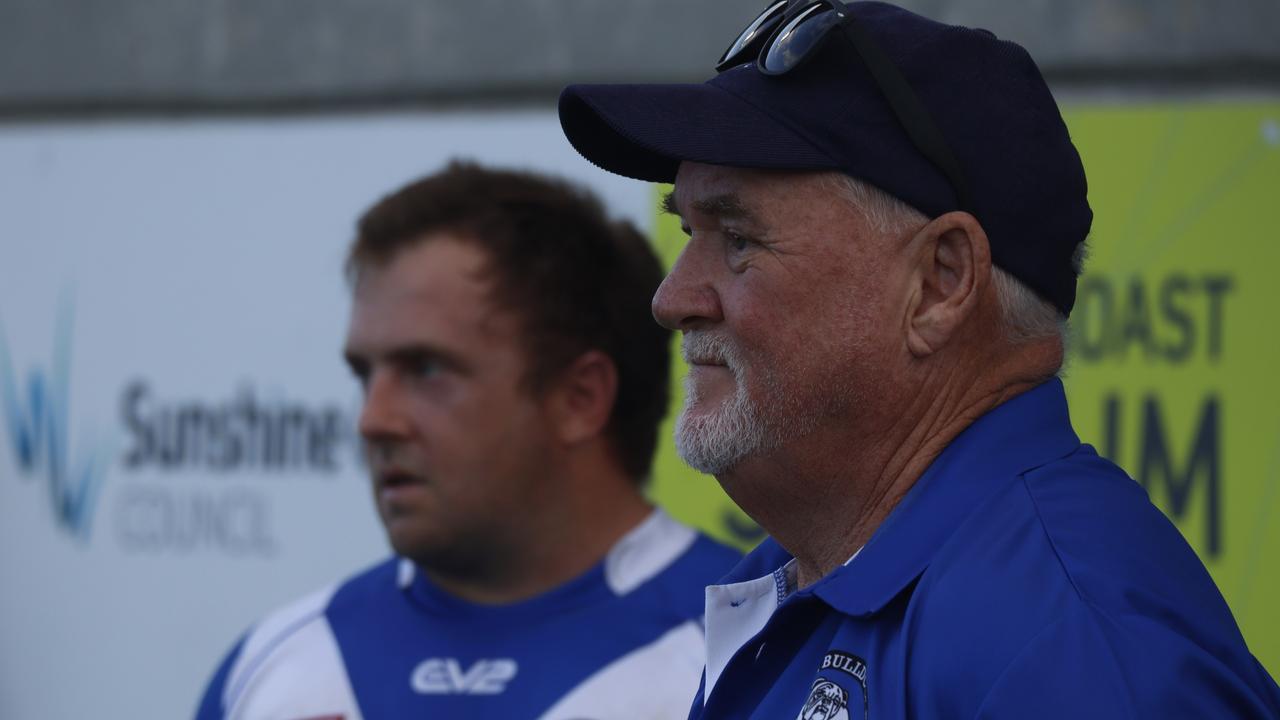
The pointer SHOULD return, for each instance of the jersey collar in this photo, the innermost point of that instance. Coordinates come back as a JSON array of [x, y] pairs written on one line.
[[642, 554]]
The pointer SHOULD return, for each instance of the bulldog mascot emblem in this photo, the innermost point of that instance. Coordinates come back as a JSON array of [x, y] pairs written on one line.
[[827, 701]]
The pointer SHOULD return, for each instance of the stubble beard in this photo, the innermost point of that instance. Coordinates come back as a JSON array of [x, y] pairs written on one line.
[[714, 441]]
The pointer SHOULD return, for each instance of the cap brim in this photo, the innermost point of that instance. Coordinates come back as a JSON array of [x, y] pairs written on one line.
[[646, 131]]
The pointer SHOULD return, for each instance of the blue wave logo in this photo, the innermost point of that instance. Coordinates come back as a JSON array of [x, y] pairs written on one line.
[[38, 422]]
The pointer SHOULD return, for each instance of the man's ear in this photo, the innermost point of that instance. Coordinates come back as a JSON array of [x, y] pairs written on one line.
[[581, 401], [953, 271]]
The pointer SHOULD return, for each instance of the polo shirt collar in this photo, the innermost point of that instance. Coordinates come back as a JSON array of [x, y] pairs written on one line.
[[1019, 435]]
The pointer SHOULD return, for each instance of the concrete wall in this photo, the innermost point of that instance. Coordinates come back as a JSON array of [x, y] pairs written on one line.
[[72, 57]]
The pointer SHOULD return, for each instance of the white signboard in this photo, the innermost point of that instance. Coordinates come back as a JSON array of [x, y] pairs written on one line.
[[177, 448]]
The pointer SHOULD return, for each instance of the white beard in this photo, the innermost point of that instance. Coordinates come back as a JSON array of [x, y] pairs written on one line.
[[716, 440]]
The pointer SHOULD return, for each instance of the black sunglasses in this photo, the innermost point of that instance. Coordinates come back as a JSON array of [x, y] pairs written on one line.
[[789, 31]]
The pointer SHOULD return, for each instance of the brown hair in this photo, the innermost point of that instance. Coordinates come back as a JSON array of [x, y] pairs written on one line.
[[576, 280]]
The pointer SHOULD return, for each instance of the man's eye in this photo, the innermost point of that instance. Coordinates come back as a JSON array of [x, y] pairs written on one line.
[[423, 367], [737, 242]]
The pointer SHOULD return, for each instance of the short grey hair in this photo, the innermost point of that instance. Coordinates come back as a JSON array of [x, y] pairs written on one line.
[[1026, 316]]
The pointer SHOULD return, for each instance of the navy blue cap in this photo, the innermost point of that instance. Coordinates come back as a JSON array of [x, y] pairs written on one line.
[[986, 95]]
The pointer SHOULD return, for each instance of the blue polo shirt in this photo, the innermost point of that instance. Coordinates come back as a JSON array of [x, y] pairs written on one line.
[[1023, 576]]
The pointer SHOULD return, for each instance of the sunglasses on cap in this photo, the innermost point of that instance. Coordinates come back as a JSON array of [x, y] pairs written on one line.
[[788, 32]]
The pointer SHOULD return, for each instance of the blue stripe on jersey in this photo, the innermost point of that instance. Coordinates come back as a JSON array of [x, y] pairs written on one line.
[[211, 704]]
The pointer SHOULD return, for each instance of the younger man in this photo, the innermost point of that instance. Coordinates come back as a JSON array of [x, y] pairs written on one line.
[[514, 381]]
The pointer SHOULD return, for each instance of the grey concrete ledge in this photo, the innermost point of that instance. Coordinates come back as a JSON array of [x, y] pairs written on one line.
[[65, 57]]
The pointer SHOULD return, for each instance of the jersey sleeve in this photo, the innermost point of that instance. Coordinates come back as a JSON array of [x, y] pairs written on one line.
[[654, 681], [1127, 668], [211, 707], [287, 665]]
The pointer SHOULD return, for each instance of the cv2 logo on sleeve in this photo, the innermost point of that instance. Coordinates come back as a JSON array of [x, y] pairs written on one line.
[[444, 676], [828, 697]]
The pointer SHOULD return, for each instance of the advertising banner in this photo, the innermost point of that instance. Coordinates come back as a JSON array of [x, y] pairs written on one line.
[[1174, 350]]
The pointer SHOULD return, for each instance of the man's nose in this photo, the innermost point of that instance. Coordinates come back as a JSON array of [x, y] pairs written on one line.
[[687, 299], [383, 415]]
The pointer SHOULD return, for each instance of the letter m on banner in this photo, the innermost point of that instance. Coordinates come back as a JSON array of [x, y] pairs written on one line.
[[36, 415]]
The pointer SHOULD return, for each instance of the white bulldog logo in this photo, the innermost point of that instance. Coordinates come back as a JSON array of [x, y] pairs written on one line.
[[827, 701]]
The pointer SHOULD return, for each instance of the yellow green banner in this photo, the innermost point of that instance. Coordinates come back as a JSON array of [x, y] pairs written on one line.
[[1172, 369]]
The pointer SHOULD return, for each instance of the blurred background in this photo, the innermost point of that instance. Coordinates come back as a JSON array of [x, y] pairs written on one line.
[[179, 180]]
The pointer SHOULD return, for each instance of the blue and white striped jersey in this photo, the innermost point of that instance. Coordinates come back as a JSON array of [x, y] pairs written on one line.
[[624, 640]]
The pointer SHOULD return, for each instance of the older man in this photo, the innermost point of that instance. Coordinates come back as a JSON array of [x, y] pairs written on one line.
[[886, 218]]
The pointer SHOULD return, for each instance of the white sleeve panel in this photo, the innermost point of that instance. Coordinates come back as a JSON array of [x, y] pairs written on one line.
[[290, 667], [655, 682]]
